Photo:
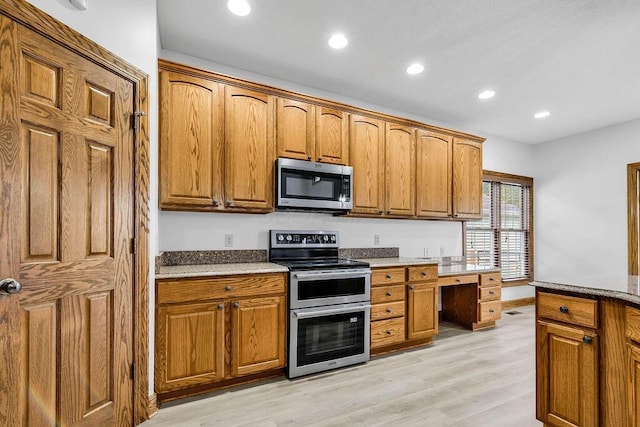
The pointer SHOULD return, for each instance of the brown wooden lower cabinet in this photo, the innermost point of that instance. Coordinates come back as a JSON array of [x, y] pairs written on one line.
[[422, 312], [633, 384], [472, 300], [215, 333]]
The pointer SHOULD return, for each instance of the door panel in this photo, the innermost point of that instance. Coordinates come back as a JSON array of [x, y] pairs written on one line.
[[400, 161], [433, 174], [295, 132], [331, 136], [367, 158], [67, 219]]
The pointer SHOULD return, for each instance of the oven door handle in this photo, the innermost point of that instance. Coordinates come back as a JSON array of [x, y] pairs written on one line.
[[308, 314], [333, 275]]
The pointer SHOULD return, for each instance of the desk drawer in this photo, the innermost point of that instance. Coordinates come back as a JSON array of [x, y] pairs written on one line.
[[387, 310], [385, 276], [489, 294], [574, 310], [381, 294], [423, 272], [386, 332], [457, 280], [490, 279], [489, 311]]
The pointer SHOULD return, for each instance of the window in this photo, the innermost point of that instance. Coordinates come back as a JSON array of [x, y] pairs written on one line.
[[503, 238], [633, 191]]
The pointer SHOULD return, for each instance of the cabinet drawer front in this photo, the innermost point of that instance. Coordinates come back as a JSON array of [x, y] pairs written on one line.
[[382, 294], [457, 280], [384, 276], [222, 287], [423, 272], [578, 311], [387, 310], [633, 323], [386, 332], [489, 294], [490, 279], [489, 311]]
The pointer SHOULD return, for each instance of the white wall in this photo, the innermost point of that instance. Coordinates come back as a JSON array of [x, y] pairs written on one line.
[[581, 203], [129, 30]]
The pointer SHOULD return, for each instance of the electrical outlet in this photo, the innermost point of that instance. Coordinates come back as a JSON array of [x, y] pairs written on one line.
[[426, 252], [376, 239], [228, 240], [441, 250]]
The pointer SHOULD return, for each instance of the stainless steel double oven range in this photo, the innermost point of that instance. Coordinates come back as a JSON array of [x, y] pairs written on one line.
[[329, 301]]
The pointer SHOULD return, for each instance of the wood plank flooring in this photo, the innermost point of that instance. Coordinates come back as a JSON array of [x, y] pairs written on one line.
[[484, 378]]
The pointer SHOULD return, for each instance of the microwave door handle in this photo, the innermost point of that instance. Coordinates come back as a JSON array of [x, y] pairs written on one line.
[[308, 314], [341, 275]]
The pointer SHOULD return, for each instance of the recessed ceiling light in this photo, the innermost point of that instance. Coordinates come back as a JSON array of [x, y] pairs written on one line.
[[239, 7], [487, 94], [542, 114], [415, 68], [338, 41]]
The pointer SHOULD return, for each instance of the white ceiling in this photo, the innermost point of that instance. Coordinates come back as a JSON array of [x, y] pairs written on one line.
[[579, 59]]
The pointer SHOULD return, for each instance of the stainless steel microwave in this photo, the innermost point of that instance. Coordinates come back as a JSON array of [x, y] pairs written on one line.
[[304, 185]]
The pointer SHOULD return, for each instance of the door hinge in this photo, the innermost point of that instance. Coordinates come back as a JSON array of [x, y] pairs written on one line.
[[135, 119], [133, 371], [132, 245]]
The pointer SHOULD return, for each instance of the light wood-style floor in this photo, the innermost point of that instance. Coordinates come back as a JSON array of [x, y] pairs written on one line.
[[485, 378]]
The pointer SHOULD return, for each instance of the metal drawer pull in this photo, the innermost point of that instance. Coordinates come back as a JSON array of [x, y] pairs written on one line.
[[388, 332], [564, 309], [424, 273], [491, 279], [388, 276], [220, 306], [492, 311], [491, 293], [587, 340], [389, 310], [389, 294], [236, 304], [227, 288], [457, 280]]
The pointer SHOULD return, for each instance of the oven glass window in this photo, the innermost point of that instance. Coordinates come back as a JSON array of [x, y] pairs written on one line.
[[312, 289], [330, 337], [311, 185]]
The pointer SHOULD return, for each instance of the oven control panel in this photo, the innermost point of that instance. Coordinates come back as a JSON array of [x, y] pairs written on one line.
[[290, 239]]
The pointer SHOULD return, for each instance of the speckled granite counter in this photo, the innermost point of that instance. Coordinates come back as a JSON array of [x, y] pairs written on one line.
[[443, 270], [202, 270], [460, 269], [395, 261], [626, 288]]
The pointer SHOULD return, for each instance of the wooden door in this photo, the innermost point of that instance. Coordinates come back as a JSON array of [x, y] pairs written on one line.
[[191, 112], [366, 146], [633, 385], [258, 341], [331, 136], [189, 345], [433, 174], [400, 161], [295, 129], [467, 179], [66, 227], [422, 313], [249, 149], [567, 375]]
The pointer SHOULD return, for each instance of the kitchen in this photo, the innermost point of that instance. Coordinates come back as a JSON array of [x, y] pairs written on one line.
[[564, 178]]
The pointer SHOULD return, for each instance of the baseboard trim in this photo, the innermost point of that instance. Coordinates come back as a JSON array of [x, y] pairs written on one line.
[[153, 405], [521, 302]]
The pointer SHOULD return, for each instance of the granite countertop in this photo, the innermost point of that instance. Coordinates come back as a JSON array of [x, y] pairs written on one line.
[[396, 261], [203, 270], [443, 270], [623, 287], [459, 269]]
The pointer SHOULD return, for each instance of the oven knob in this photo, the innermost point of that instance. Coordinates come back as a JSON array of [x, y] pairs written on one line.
[[280, 237], [289, 237], [326, 238], [333, 237]]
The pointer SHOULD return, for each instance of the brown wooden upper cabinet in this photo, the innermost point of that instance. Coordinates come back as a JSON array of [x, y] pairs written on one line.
[[249, 149], [191, 120], [331, 136], [366, 154], [400, 161], [433, 174], [467, 178]]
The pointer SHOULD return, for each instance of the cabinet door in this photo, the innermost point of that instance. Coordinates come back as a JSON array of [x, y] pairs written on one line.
[[433, 174], [633, 384], [422, 313], [249, 149], [190, 140], [400, 171], [258, 335], [331, 136], [295, 130], [366, 152], [189, 345], [467, 178], [567, 375]]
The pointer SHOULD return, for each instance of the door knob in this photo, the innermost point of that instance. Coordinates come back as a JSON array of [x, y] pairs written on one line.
[[10, 286]]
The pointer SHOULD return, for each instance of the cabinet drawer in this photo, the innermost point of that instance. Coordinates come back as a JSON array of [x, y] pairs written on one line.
[[423, 272], [386, 332], [490, 279], [385, 276], [221, 287], [489, 311], [457, 280], [575, 310], [489, 294], [382, 294], [633, 323], [387, 310]]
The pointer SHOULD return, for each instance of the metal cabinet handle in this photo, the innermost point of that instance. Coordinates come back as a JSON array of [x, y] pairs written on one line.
[[457, 280], [424, 273], [492, 311], [319, 158], [236, 304], [491, 279], [388, 294], [10, 286], [227, 288], [389, 310], [215, 202], [388, 276], [491, 293], [380, 212], [228, 202], [308, 157], [564, 309], [388, 212], [220, 306], [587, 340], [388, 332], [411, 287]]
